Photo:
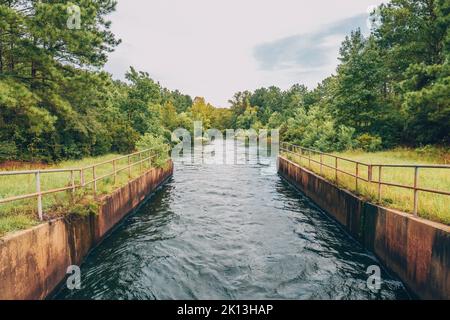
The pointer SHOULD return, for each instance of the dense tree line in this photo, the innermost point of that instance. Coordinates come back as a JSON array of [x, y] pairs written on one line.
[[391, 87], [56, 102]]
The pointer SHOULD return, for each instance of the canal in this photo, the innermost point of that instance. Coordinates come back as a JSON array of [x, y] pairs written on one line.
[[229, 232]]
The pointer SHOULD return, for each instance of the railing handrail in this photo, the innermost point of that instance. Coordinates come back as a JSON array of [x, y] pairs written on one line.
[[370, 167], [423, 166], [427, 166], [325, 154], [82, 183], [60, 170]]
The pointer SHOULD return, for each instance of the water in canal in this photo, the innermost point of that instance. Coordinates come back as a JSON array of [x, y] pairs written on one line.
[[229, 232]]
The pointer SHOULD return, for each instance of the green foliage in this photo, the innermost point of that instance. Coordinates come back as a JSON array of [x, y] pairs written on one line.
[[185, 121], [414, 43], [85, 208], [142, 98], [202, 111], [434, 152], [248, 119], [8, 150], [239, 103], [360, 100], [15, 222], [391, 88], [182, 102], [169, 116], [426, 102], [316, 129], [56, 103], [124, 138], [221, 119], [51, 107], [369, 143], [275, 121], [158, 146]]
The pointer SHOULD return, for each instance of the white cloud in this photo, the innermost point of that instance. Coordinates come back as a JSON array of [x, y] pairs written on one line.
[[206, 47]]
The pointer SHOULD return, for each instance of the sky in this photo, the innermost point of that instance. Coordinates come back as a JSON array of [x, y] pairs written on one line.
[[215, 48]]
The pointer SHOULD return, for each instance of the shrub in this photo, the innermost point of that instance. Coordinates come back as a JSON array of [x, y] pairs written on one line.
[[159, 148], [369, 143], [123, 138], [84, 209], [8, 151], [315, 128], [345, 139]]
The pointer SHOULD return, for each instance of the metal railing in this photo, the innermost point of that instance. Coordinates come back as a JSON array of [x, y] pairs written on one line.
[[143, 156], [364, 172]]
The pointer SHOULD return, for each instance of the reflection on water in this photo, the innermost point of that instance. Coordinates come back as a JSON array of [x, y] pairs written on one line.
[[229, 232]]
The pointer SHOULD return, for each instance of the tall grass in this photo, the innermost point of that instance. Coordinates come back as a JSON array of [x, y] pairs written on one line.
[[430, 206], [23, 213]]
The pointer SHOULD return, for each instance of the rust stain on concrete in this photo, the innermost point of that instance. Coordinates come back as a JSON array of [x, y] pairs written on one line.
[[417, 250], [33, 262]]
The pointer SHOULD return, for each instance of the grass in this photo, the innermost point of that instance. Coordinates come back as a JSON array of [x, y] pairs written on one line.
[[22, 214], [431, 206]]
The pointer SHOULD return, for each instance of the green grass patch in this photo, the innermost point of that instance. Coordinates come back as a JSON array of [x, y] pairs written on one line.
[[21, 214], [430, 206], [9, 223]]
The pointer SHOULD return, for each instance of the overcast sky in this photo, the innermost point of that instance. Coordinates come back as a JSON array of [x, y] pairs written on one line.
[[214, 48]]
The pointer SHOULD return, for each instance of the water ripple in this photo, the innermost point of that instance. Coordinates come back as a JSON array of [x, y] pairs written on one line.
[[228, 232]]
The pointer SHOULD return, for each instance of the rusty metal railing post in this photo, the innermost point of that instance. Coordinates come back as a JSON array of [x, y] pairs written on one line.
[[129, 167], [321, 164], [72, 181], [149, 159], [309, 159], [336, 168], [357, 176], [302, 156], [39, 195], [379, 182], [82, 177], [416, 192], [94, 178], [115, 171]]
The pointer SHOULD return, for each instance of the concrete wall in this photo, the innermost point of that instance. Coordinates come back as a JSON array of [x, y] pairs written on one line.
[[417, 250], [33, 262]]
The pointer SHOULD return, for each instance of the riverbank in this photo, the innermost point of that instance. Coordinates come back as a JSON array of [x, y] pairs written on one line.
[[22, 214], [416, 250], [432, 206], [34, 261]]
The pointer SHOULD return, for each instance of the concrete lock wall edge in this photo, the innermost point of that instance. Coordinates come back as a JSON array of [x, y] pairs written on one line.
[[33, 262], [415, 249]]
